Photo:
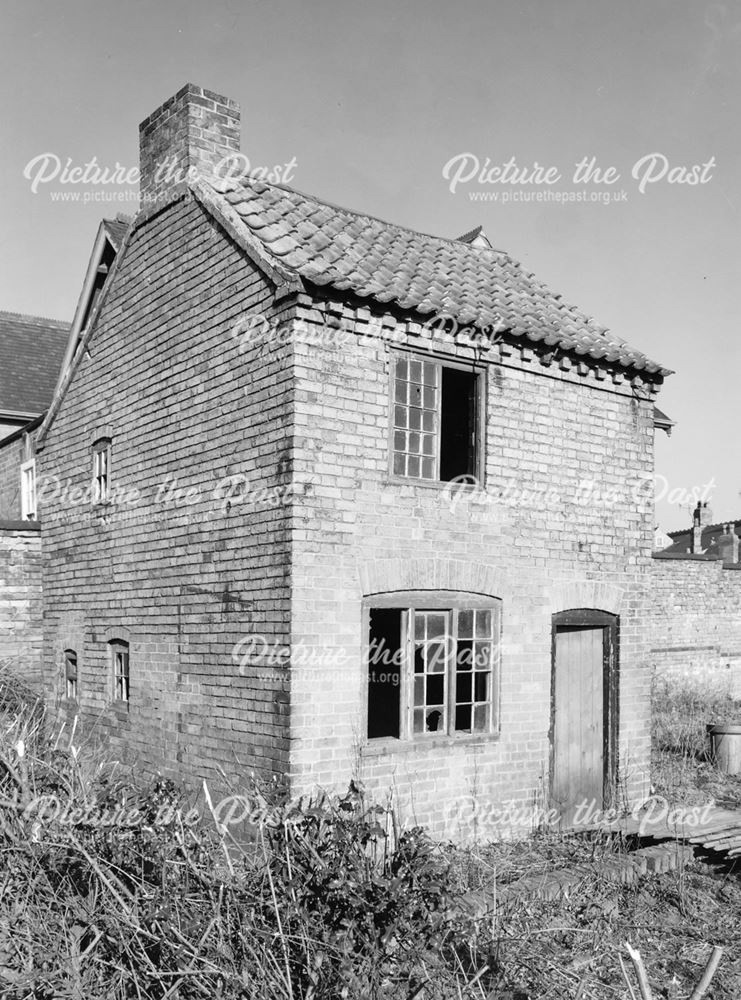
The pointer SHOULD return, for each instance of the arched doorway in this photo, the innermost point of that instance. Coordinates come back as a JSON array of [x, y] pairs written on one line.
[[584, 713]]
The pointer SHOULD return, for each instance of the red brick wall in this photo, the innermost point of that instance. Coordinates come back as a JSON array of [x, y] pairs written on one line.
[[189, 586], [358, 533], [192, 131], [181, 581], [695, 621], [11, 457], [20, 604]]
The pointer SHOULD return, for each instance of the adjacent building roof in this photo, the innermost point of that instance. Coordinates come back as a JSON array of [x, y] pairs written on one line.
[[348, 251], [116, 229], [682, 540], [31, 352], [662, 421]]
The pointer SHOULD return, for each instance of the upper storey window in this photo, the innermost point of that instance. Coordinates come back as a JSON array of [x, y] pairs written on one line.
[[436, 419]]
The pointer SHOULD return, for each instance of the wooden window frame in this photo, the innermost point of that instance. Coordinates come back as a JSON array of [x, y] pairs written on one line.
[[122, 691], [101, 447], [593, 618], [452, 602], [440, 362], [29, 502], [68, 655]]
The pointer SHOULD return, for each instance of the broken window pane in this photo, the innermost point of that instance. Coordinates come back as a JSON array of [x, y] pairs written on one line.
[[435, 692], [434, 719], [438, 665], [431, 644], [463, 718]]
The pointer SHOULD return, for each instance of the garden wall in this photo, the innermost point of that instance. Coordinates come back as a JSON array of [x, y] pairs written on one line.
[[695, 619]]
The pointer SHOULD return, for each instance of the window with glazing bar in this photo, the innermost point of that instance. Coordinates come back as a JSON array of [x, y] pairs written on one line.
[[436, 419], [432, 668]]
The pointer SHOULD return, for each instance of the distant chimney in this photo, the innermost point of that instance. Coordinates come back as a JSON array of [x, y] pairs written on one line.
[[185, 138], [728, 544], [702, 515]]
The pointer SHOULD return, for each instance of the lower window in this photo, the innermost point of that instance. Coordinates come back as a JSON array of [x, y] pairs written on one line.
[[432, 666], [70, 674], [120, 663]]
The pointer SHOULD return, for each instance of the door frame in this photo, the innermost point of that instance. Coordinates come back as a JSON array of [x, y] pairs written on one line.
[[610, 623]]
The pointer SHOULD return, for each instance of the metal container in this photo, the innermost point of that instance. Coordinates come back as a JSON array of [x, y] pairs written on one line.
[[725, 745]]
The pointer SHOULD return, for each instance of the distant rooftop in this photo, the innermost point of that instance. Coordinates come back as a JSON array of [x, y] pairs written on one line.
[[710, 533], [31, 352]]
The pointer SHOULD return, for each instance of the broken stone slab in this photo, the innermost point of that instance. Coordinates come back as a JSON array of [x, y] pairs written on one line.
[[664, 857]]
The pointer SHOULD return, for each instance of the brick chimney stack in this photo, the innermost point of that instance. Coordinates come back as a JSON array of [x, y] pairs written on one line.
[[184, 138], [728, 544], [702, 516]]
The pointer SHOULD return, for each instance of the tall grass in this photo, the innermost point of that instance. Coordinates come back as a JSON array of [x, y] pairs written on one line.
[[108, 890], [111, 890], [681, 710], [681, 764]]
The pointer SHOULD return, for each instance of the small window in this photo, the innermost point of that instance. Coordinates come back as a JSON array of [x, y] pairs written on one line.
[[435, 420], [28, 490], [102, 471], [70, 674], [433, 668], [120, 662]]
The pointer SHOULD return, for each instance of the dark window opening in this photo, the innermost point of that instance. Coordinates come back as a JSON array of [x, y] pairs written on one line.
[[457, 424], [384, 673]]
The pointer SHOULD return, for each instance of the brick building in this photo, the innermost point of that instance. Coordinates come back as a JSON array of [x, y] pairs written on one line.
[[31, 352], [695, 614], [365, 503]]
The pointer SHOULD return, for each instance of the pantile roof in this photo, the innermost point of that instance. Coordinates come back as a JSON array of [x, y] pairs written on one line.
[[682, 540], [31, 352], [348, 251]]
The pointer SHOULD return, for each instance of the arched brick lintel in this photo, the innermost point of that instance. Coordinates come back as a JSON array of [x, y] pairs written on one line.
[[382, 576], [590, 594]]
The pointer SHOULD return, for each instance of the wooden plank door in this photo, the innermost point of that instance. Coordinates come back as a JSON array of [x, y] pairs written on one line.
[[580, 706]]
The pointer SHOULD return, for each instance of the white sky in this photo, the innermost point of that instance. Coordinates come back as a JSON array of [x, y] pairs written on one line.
[[372, 99]]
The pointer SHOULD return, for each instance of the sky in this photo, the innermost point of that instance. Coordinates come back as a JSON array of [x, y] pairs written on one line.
[[377, 102]]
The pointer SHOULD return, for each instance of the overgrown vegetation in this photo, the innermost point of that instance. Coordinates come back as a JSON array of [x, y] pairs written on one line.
[[110, 889], [571, 947], [682, 709], [682, 767]]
